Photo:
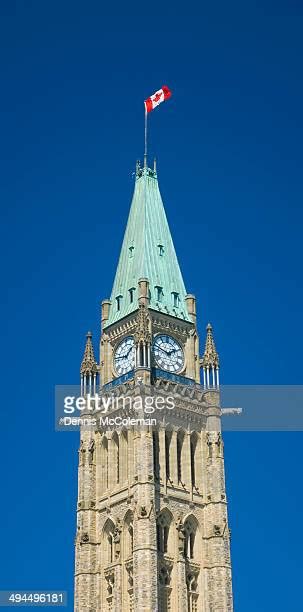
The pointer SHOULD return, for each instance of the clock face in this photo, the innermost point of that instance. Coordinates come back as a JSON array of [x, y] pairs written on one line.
[[124, 358], [168, 353]]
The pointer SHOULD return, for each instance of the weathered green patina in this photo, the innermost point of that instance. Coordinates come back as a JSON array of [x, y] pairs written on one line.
[[148, 252]]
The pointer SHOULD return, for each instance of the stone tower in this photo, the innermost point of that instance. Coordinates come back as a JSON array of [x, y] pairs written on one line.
[[152, 531]]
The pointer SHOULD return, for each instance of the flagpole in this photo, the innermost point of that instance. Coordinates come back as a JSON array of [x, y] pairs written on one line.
[[145, 138]]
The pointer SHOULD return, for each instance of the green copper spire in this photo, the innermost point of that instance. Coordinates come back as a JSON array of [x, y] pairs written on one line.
[[148, 252]]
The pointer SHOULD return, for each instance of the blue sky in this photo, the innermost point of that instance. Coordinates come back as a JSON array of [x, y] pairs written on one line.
[[229, 148]]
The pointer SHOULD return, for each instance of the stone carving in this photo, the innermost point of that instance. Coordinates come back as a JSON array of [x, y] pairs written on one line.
[[181, 535], [145, 512], [91, 450], [217, 530], [84, 538], [117, 540], [110, 579], [219, 444], [164, 573], [209, 444], [81, 452], [129, 569], [192, 579], [142, 333]]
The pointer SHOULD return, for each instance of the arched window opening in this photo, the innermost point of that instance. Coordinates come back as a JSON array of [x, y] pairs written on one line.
[[104, 463], [192, 590], [191, 544], [131, 538], [165, 587], [156, 451], [180, 439], [128, 536], [163, 532], [168, 437], [119, 302], [190, 529], [141, 354], [159, 293], [109, 530], [193, 448], [175, 299], [165, 538], [131, 292]]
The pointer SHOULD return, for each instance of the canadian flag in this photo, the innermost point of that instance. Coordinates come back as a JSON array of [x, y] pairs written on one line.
[[157, 98]]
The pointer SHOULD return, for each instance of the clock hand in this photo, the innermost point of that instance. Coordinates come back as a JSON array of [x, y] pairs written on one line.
[[171, 352], [125, 355], [163, 351]]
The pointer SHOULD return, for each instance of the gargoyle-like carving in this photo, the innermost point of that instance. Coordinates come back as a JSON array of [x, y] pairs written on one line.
[[209, 443], [84, 538], [181, 535], [217, 530], [117, 540], [91, 450], [219, 444]]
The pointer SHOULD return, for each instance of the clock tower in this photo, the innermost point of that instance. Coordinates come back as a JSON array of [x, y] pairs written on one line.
[[152, 531]]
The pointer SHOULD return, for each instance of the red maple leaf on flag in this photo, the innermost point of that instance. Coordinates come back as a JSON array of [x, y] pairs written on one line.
[[157, 96]]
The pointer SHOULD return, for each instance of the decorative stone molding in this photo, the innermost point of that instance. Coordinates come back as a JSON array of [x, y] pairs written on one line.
[[142, 332]]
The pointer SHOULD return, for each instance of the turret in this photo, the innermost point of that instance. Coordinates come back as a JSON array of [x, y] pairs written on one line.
[[89, 368], [210, 361]]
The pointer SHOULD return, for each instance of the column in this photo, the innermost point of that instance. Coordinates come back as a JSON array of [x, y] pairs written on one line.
[[145, 538]]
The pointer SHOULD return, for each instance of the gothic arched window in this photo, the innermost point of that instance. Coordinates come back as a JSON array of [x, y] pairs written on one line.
[[104, 463], [119, 301], [163, 531], [175, 299], [159, 293], [193, 449], [168, 436], [180, 439], [165, 587], [190, 531], [192, 590], [108, 542], [156, 452], [128, 532]]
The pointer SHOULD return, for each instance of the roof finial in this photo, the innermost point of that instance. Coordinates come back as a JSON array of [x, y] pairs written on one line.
[[89, 364], [155, 166]]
